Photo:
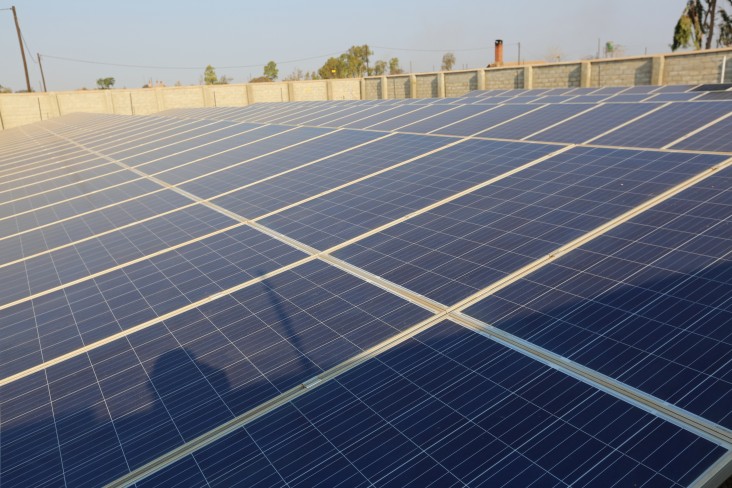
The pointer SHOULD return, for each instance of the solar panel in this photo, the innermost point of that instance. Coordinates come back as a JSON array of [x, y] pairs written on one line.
[[645, 304], [535, 121], [258, 294], [713, 138], [665, 125], [453, 251], [593, 123], [395, 421]]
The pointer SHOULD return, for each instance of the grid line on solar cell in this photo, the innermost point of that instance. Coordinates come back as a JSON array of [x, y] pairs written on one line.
[[373, 377], [666, 125], [592, 123], [486, 120], [717, 130], [39, 286], [714, 138], [624, 124], [642, 304], [457, 248], [531, 122], [425, 112], [402, 192], [332, 174], [153, 359], [238, 177]]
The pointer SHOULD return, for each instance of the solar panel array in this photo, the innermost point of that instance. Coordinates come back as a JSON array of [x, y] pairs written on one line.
[[510, 288]]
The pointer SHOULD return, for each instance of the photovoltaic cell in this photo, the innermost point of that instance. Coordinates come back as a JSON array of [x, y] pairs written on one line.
[[666, 125], [37, 274], [134, 399], [416, 116], [287, 189], [270, 165], [209, 164], [459, 113], [456, 249], [713, 138], [593, 123], [338, 216], [473, 125], [62, 321], [535, 121], [451, 408], [647, 304]]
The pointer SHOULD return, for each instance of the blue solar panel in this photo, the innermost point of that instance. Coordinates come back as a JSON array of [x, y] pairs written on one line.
[[136, 398], [107, 365], [593, 123], [646, 304], [207, 163], [62, 321], [79, 260], [450, 407], [666, 125], [713, 138], [162, 158], [453, 251], [336, 217], [482, 121], [459, 113], [535, 121], [412, 117], [290, 188], [214, 184], [673, 97]]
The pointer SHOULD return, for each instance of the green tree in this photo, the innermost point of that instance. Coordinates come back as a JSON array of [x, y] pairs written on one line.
[[448, 61], [5, 89], [105, 83], [357, 59], [725, 28], [379, 68], [333, 68], [209, 75], [696, 22], [271, 71], [394, 68]]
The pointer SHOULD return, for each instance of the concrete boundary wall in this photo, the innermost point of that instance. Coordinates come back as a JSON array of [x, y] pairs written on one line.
[[692, 67]]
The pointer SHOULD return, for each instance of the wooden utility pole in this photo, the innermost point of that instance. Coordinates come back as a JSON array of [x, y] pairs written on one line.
[[43, 77], [22, 50]]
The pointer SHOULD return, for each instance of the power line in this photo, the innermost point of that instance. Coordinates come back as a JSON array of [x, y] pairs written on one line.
[[75, 60], [431, 50], [290, 61]]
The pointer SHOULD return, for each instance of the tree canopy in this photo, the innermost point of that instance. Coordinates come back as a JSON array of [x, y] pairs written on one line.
[[209, 75], [271, 71], [696, 26], [105, 83], [448, 61]]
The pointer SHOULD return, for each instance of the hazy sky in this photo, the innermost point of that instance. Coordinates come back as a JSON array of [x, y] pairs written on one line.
[[229, 34]]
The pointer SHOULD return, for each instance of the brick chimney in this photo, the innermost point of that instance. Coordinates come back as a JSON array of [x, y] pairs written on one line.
[[499, 52]]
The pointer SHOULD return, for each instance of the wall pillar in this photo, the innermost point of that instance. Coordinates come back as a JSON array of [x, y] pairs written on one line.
[[384, 88], [291, 91], [441, 85], [585, 74], [329, 89], [528, 77], [412, 86], [480, 74], [362, 87], [250, 94], [657, 66]]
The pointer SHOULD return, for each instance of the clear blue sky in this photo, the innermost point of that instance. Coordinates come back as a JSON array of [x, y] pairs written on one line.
[[183, 33]]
